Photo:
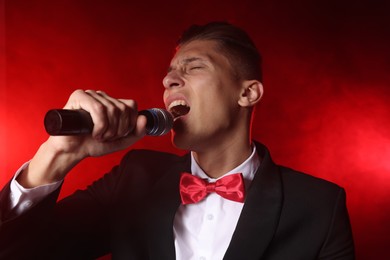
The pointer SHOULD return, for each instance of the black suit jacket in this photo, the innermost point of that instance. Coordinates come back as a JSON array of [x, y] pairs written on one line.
[[130, 212]]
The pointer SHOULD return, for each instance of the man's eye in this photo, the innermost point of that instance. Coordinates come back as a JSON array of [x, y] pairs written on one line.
[[195, 68]]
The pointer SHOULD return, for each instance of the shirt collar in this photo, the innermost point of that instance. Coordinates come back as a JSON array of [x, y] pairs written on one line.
[[248, 168]]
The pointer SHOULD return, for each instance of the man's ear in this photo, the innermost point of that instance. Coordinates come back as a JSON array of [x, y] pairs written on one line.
[[252, 91]]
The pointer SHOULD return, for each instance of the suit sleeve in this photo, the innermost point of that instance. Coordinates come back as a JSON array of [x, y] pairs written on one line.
[[77, 224], [17, 234], [339, 242]]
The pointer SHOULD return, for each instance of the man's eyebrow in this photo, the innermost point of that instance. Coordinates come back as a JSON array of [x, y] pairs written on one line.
[[191, 59]]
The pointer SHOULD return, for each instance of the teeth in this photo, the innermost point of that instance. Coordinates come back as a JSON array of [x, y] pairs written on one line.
[[177, 103]]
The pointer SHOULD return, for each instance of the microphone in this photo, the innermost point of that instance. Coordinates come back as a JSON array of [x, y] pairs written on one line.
[[79, 122]]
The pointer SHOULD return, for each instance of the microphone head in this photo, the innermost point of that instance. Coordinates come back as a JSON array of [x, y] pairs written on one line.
[[159, 121]]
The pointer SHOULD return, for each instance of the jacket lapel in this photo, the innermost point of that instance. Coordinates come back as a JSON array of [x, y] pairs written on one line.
[[261, 212], [162, 212]]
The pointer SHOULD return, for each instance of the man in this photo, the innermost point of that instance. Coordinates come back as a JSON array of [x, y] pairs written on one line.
[[137, 210]]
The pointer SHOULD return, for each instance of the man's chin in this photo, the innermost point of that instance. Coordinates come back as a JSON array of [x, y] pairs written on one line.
[[181, 140]]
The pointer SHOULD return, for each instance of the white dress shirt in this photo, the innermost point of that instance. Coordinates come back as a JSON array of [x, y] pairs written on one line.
[[202, 231], [22, 199]]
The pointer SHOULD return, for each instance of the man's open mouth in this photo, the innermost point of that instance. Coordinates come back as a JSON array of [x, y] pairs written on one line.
[[178, 108]]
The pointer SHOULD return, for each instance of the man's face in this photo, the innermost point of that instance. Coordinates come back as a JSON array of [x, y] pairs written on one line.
[[202, 93]]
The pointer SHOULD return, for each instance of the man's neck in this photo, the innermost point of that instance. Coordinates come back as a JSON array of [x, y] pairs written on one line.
[[219, 160]]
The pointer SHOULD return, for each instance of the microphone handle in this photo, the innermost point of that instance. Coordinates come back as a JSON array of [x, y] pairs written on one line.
[[79, 122], [68, 122]]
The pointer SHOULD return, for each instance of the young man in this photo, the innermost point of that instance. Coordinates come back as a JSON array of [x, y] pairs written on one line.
[[149, 206]]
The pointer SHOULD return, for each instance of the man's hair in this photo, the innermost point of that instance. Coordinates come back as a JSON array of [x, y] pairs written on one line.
[[234, 42]]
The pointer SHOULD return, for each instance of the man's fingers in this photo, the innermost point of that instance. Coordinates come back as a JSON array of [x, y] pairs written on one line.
[[112, 118], [127, 109]]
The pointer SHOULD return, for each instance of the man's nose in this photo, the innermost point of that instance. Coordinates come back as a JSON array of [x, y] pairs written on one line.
[[173, 79]]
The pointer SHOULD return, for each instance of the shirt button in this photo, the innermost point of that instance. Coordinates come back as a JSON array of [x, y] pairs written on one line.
[[27, 204], [210, 216]]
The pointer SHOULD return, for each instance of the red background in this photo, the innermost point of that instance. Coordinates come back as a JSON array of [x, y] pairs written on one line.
[[326, 109]]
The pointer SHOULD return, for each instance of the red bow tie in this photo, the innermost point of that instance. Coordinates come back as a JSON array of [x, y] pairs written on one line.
[[194, 189]]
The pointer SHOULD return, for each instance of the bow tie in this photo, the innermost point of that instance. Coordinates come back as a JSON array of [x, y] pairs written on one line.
[[194, 189]]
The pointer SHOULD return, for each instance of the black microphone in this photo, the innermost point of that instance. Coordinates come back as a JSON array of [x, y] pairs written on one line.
[[79, 122]]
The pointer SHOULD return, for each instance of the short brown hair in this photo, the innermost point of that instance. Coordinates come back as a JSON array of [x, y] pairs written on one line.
[[234, 42]]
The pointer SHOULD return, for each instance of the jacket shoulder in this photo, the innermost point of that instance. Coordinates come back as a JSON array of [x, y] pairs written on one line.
[[310, 198], [299, 181]]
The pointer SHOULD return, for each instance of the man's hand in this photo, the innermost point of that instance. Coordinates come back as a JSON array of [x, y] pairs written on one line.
[[116, 127]]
